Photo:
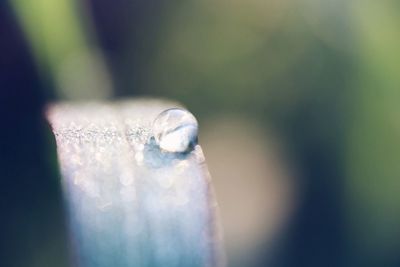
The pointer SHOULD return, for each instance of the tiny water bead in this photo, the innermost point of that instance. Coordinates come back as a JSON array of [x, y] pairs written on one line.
[[175, 130]]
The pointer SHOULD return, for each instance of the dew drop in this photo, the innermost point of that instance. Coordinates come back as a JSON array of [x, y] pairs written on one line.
[[175, 130]]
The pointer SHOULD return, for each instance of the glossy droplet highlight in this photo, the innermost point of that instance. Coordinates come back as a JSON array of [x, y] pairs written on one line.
[[175, 130]]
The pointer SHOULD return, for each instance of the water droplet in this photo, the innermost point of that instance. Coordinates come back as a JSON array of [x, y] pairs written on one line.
[[175, 130]]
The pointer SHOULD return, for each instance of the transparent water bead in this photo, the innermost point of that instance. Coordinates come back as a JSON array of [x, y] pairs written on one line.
[[175, 130]]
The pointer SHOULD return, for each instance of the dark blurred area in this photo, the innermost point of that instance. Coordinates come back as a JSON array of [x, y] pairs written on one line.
[[32, 221], [298, 103]]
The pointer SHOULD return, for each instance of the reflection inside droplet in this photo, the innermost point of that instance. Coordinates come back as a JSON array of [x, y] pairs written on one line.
[[175, 130]]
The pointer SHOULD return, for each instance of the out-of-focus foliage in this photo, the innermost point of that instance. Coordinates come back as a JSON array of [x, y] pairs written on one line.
[[373, 145], [64, 48]]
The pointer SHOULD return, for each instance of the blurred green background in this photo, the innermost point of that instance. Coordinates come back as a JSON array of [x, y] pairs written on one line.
[[298, 103]]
